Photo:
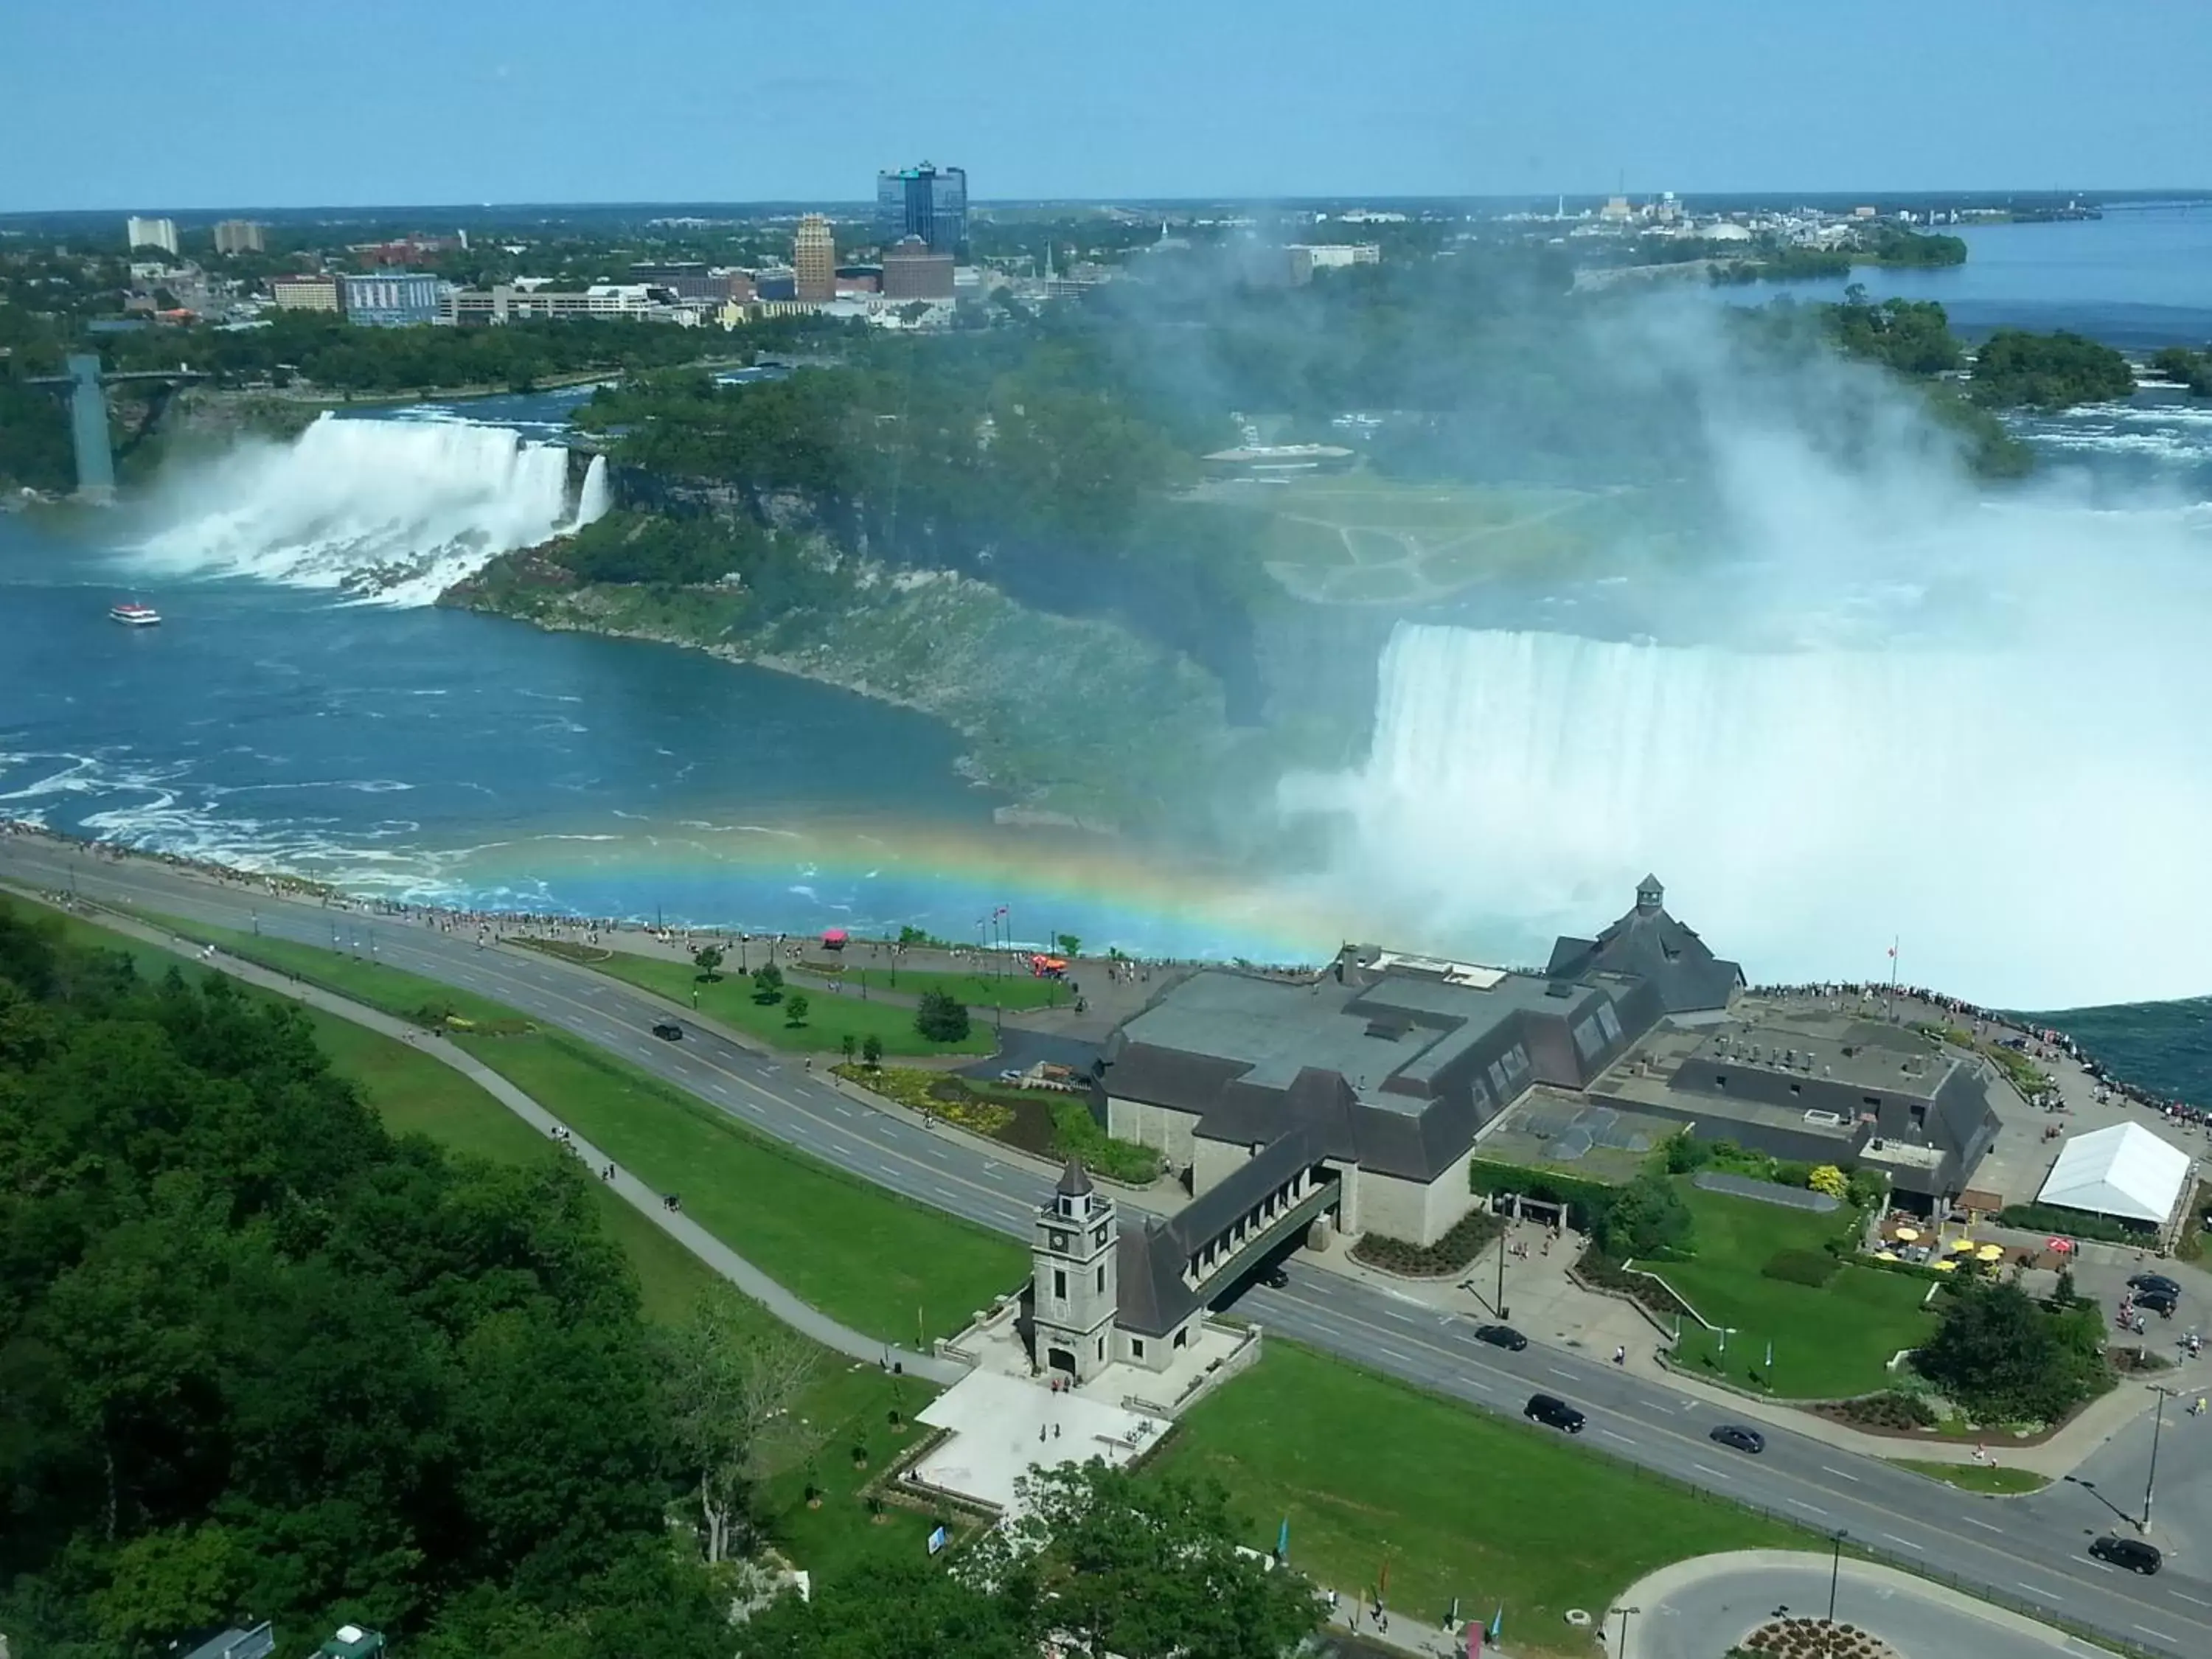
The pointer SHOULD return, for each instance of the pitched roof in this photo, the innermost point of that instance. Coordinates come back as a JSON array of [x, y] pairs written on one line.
[[1648, 944], [1074, 1179], [2125, 1171]]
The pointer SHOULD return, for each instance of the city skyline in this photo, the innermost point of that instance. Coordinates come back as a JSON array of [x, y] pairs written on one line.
[[685, 103]]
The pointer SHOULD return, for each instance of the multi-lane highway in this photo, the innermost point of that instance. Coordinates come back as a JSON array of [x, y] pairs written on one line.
[[2027, 1552]]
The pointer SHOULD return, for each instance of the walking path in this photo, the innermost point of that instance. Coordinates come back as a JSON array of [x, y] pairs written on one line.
[[648, 1202]]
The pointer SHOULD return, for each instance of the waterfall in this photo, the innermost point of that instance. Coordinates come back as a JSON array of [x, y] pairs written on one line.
[[2030, 828], [393, 510], [594, 499]]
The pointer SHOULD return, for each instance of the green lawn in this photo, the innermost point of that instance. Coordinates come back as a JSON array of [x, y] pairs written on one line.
[[1458, 1502], [848, 1406], [1828, 1342], [866, 1256], [831, 1016], [1020, 990], [861, 1255], [1991, 1478]]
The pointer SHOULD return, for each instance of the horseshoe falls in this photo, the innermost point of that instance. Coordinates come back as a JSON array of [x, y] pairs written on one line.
[[394, 511], [2029, 827]]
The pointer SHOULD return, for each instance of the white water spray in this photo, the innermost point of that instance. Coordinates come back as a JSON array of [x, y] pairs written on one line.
[[594, 498], [395, 511]]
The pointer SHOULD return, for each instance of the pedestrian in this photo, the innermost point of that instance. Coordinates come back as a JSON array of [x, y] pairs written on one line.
[[1620, 1355]]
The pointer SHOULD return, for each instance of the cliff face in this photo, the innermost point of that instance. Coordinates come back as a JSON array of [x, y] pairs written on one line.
[[1083, 723]]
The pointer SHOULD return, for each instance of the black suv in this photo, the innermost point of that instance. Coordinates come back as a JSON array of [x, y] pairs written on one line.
[[1556, 1412], [1501, 1336], [2129, 1553], [1275, 1279], [2162, 1303], [668, 1031], [2156, 1282]]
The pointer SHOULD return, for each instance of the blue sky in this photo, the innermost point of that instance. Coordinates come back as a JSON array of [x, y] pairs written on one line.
[[277, 103]]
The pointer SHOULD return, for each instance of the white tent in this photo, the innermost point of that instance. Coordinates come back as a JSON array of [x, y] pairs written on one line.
[[2125, 1172]]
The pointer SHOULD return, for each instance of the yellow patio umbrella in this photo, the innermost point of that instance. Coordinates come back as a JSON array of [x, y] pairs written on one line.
[[1885, 1255], [1945, 1267], [1907, 1234], [1990, 1253], [1964, 1246]]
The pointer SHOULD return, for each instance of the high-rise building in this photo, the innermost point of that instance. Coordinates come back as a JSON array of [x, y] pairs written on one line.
[[152, 233], [310, 292], [814, 260], [913, 272], [239, 236], [928, 202]]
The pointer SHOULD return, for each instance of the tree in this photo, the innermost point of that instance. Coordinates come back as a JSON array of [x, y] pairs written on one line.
[[2007, 1360], [871, 1051], [848, 1045], [708, 959], [795, 1009], [768, 982], [1147, 1568], [898, 1609], [1071, 945], [1829, 1179], [730, 1385], [941, 1018], [1645, 1217]]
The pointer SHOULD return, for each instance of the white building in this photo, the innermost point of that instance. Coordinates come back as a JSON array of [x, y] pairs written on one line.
[[152, 233], [2125, 1172]]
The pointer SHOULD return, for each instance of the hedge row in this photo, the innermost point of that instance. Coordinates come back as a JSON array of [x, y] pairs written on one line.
[[1583, 1197], [2070, 1224]]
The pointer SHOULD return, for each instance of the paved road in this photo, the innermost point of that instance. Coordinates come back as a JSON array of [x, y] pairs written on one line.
[[2018, 1553], [1700, 1608]]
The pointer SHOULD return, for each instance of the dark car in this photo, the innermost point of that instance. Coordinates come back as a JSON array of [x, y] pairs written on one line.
[[2129, 1553], [1501, 1336], [2157, 1302], [1556, 1412], [1743, 1439], [669, 1031], [2154, 1282], [1275, 1279]]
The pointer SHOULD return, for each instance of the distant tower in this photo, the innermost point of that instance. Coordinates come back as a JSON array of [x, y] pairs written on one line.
[[1650, 897], [1076, 1290], [814, 260]]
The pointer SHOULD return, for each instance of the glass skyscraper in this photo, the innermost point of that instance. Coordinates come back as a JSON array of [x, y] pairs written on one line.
[[928, 202]]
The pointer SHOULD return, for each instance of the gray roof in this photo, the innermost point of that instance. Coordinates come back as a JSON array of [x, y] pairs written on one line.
[[1152, 1297], [1074, 1179], [1648, 944]]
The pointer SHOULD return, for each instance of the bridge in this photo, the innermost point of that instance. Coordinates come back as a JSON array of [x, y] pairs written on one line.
[[88, 383]]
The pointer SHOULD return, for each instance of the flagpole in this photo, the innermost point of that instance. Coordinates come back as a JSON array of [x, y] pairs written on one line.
[[1890, 1014]]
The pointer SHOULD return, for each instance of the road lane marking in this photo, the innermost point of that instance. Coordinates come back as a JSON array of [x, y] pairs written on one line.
[[1623, 1439], [1555, 1371], [2157, 1635], [1983, 1525], [1906, 1542], [2184, 1595], [1716, 1474], [1840, 1473], [1799, 1503]]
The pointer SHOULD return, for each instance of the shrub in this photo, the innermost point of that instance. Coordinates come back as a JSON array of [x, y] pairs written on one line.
[[1645, 1217], [794, 1010], [871, 1050], [2069, 1223], [1813, 1267], [1685, 1153], [941, 1018], [768, 982], [1827, 1178], [1583, 1197], [1453, 1252], [1867, 1188], [1891, 1409]]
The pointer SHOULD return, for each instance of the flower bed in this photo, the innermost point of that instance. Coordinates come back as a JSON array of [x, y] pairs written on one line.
[[1453, 1253]]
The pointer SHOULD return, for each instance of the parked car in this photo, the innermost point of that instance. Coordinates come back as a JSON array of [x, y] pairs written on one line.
[[1275, 1279], [1501, 1336], [1555, 1413], [668, 1031], [2129, 1553], [2154, 1282], [2158, 1302], [1743, 1439]]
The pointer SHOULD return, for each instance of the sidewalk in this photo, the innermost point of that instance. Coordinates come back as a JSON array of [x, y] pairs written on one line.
[[645, 1200]]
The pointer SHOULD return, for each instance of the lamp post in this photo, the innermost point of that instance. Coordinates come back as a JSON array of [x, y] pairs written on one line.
[[2157, 1422], [1500, 1302], [1835, 1573], [1620, 1652], [1727, 1331]]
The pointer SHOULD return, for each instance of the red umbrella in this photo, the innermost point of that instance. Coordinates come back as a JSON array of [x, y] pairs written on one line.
[[2060, 1245]]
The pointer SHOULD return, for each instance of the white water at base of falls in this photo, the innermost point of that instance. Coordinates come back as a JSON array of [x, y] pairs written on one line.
[[2033, 831], [393, 511]]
